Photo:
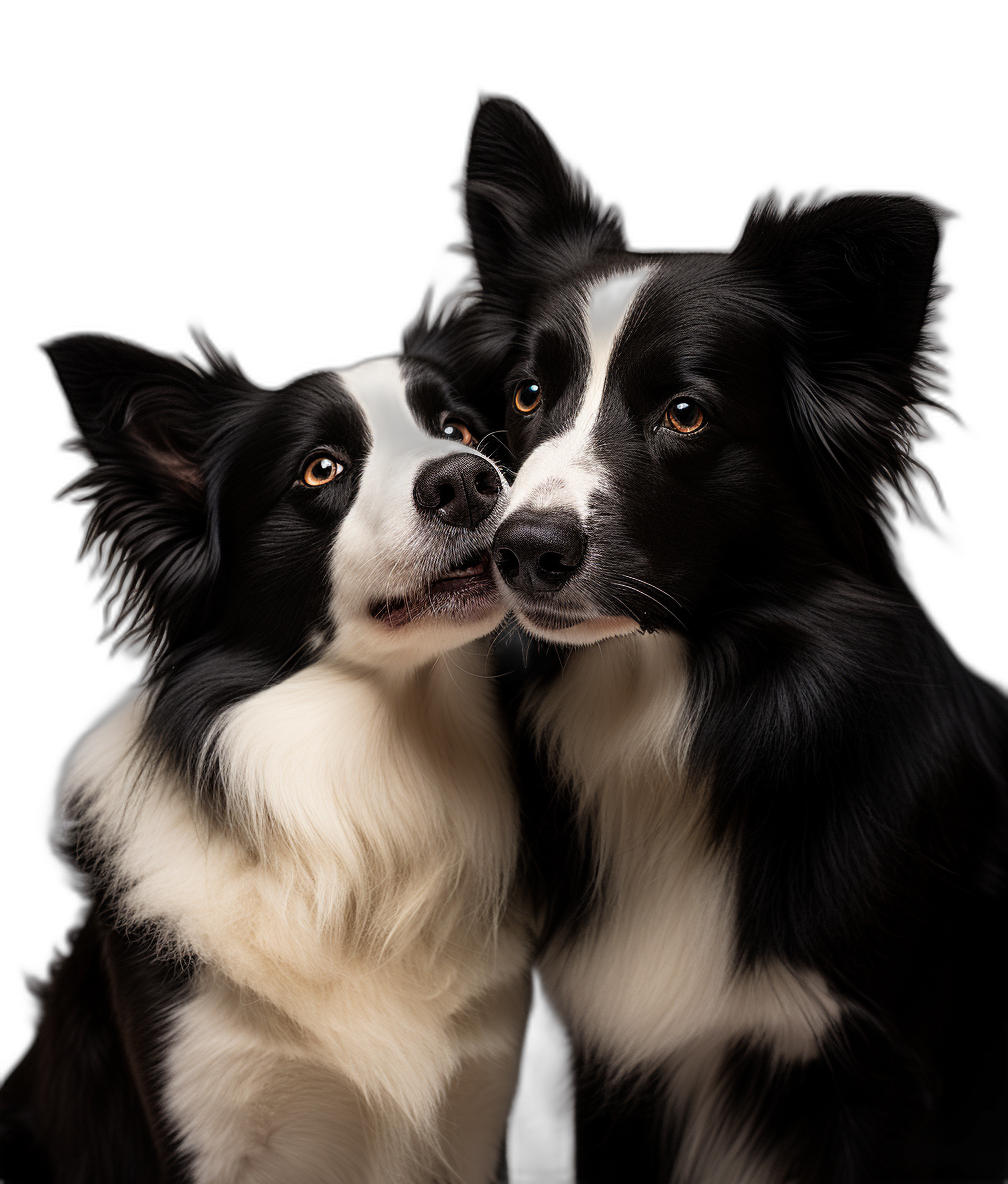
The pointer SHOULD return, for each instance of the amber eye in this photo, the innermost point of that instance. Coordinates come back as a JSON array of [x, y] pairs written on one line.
[[684, 416], [527, 396], [455, 429], [321, 469]]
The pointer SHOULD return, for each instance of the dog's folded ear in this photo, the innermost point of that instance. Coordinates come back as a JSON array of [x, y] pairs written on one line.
[[850, 286], [528, 213], [145, 420]]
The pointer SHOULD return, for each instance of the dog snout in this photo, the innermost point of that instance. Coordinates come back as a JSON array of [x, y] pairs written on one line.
[[539, 551], [460, 489]]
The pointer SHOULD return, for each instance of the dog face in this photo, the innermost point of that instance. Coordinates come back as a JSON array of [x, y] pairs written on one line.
[[689, 426], [250, 532]]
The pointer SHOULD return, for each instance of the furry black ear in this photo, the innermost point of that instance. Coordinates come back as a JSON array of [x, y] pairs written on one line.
[[145, 420], [528, 214], [467, 347], [851, 286]]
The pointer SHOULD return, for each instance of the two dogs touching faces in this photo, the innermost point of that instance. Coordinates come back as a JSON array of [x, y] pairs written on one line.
[[728, 788]]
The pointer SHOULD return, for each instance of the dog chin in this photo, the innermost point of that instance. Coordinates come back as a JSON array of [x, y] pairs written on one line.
[[462, 594], [586, 631]]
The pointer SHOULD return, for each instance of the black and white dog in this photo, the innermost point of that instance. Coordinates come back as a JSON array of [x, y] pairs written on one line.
[[765, 802], [305, 958]]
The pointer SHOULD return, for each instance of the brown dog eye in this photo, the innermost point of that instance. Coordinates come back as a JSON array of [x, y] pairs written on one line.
[[321, 469], [455, 429], [684, 416], [527, 396]]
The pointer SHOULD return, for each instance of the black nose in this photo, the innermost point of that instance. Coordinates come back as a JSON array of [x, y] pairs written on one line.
[[461, 488], [538, 551]]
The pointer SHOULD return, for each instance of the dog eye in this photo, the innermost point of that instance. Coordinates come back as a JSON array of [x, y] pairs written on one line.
[[455, 429], [321, 469], [684, 416], [527, 396]]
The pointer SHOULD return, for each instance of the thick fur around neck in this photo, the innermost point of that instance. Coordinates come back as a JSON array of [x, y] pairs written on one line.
[[360, 882], [653, 967]]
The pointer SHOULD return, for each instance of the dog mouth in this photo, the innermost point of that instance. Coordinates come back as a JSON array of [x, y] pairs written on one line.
[[551, 618], [571, 623], [588, 626], [461, 592]]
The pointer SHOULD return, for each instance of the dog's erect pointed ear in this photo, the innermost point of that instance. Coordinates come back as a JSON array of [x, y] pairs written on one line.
[[145, 420], [137, 409], [527, 213], [851, 284]]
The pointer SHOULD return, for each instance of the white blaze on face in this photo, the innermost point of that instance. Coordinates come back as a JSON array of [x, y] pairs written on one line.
[[564, 471], [383, 545]]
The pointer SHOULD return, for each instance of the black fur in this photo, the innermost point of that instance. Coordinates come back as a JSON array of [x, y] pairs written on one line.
[[857, 769], [81, 1106]]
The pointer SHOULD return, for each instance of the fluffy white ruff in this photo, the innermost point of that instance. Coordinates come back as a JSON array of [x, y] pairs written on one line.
[[355, 916]]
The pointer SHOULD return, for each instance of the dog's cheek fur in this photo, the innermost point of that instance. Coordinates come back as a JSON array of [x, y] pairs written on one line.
[[664, 546]]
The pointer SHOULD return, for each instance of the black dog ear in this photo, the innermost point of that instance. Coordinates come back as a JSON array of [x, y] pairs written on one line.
[[851, 285], [466, 345], [527, 213], [137, 409], [145, 420]]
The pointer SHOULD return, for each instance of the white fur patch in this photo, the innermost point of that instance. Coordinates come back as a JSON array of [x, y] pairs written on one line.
[[656, 973], [564, 471], [384, 548], [361, 946]]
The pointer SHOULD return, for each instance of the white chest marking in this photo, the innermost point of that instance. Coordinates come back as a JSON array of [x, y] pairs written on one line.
[[358, 909], [657, 972]]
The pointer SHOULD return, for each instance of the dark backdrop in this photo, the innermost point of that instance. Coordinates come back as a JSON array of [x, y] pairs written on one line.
[[299, 219]]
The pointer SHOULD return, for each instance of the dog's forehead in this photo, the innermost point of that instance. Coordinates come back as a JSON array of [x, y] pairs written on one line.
[[379, 388], [608, 302]]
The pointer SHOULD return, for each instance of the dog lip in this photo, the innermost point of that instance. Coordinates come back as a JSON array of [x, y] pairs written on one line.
[[463, 571], [590, 627], [458, 592], [545, 614], [556, 618]]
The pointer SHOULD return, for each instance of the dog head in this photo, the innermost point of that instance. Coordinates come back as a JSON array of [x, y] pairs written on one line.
[[689, 424], [249, 532]]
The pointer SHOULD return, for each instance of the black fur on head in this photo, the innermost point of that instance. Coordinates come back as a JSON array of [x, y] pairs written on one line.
[[807, 344], [179, 471], [218, 560]]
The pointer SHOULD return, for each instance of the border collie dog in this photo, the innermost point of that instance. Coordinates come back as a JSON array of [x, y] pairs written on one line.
[[305, 957], [765, 803]]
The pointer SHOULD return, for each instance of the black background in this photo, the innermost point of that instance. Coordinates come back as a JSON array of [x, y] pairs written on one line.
[[300, 216]]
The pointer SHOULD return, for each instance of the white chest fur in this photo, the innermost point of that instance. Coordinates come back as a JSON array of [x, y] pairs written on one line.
[[355, 918], [654, 975]]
